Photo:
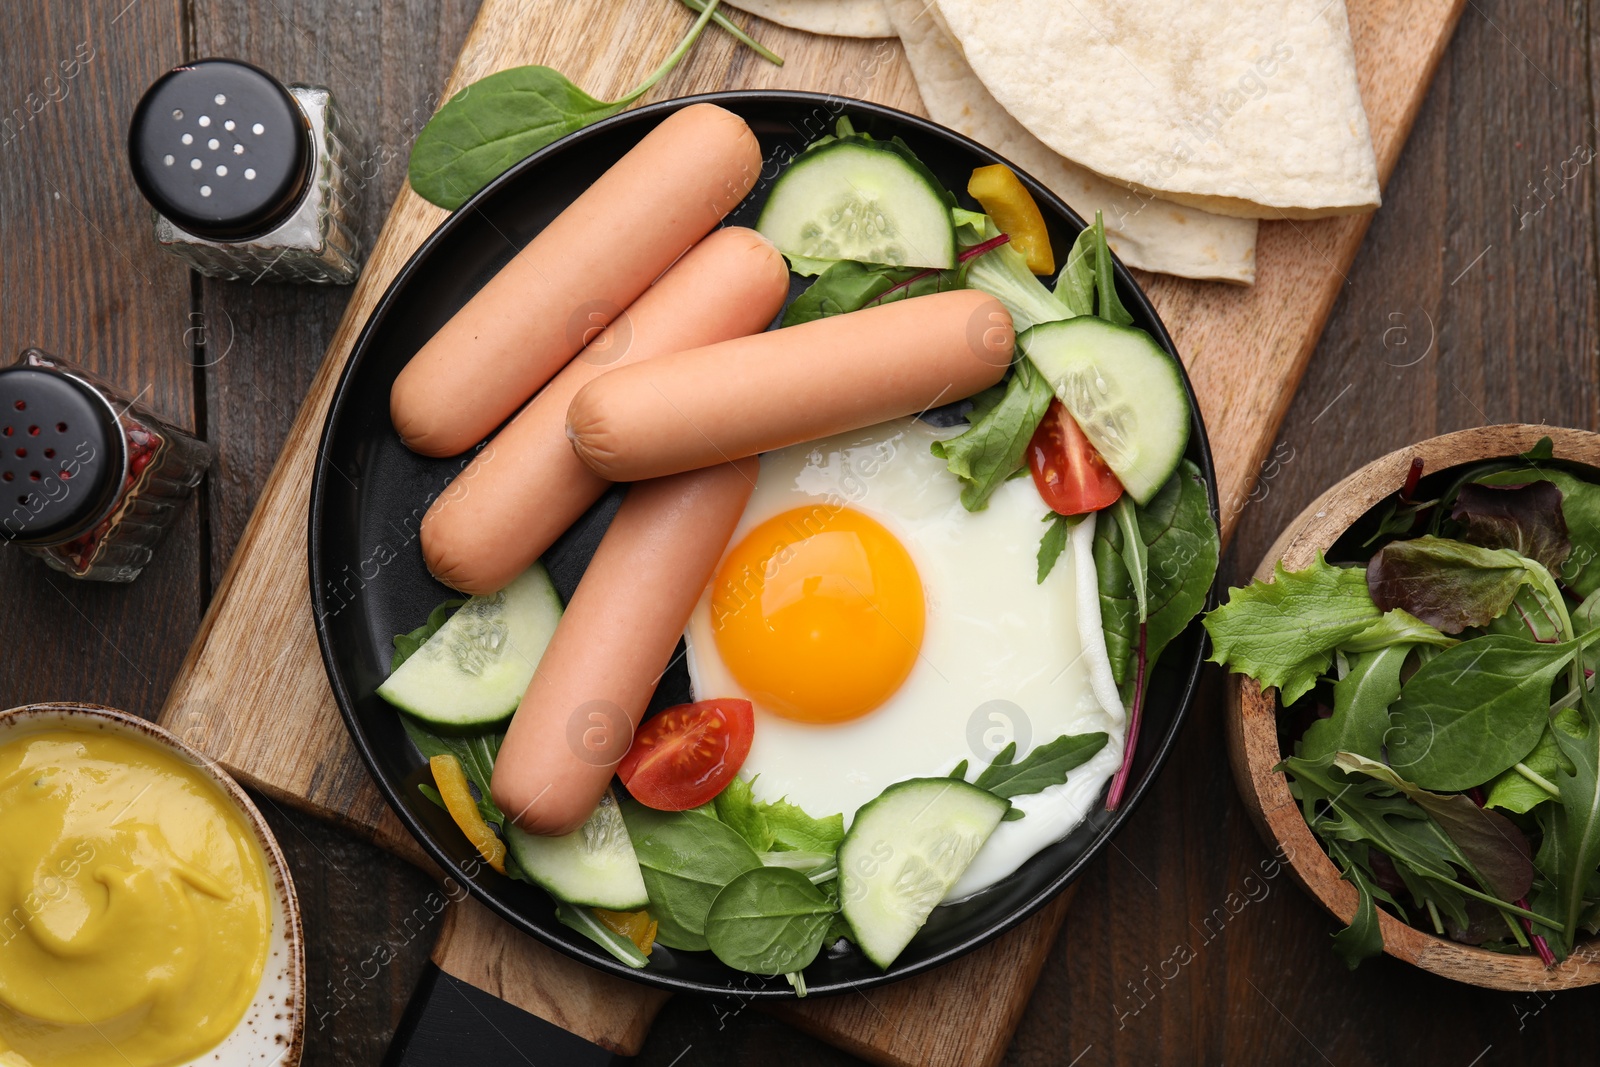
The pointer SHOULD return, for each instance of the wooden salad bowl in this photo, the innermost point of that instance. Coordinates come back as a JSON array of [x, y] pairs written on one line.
[[1253, 715]]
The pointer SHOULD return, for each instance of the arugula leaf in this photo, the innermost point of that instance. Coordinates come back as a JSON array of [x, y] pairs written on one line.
[[770, 920], [1045, 766], [1361, 702], [502, 119], [777, 825], [589, 925], [1474, 710], [475, 752], [1580, 507], [995, 445], [686, 858], [1515, 789], [1526, 519], [1367, 811], [1182, 548], [1135, 553], [1489, 846], [1282, 633], [1363, 938], [1576, 824], [1052, 544], [1449, 584], [1108, 305]]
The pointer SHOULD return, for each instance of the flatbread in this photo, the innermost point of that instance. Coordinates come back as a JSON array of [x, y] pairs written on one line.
[[1151, 234], [1240, 107], [836, 18]]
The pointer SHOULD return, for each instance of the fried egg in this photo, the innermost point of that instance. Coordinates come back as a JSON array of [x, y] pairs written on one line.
[[883, 632]]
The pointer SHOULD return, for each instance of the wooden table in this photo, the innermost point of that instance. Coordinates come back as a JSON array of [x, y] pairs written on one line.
[[1474, 300]]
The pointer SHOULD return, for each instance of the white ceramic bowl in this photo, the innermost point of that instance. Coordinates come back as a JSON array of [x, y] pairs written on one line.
[[272, 1032]]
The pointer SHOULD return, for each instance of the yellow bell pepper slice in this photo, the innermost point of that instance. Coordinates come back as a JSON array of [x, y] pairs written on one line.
[[1005, 199], [458, 801], [636, 926]]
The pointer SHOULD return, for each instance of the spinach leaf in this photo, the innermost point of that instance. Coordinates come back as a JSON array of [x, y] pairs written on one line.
[[502, 119], [1361, 702], [1580, 507], [1516, 789], [995, 444], [778, 825], [1052, 544], [1448, 584], [686, 858], [818, 867], [1576, 824], [1474, 710], [1182, 547], [586, 923], [1045, 766], [1282, 633], [1526, 519], [1487, 845], [770, 920]]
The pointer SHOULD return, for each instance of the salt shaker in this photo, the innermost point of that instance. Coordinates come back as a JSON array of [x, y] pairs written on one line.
[[89, 481], [249, 178]]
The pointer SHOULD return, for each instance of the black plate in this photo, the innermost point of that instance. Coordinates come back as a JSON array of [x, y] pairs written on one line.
[[368, 581]]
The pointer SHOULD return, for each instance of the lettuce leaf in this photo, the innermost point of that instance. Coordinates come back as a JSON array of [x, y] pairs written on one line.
[[1526, 519], [778, 826], [1450, 585], [1282, 633]]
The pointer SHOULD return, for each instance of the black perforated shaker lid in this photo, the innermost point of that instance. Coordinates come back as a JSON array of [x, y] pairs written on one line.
[[221, 148], [61, 456]]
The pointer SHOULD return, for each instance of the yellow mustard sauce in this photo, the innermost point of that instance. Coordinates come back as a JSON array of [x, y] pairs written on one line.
[[135, 915]]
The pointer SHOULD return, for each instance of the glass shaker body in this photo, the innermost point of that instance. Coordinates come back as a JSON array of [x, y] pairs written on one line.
[[89, 481], [249, 179]]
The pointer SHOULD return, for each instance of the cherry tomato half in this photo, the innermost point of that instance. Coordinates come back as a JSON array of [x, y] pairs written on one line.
[[684, 756], [1070, 474]]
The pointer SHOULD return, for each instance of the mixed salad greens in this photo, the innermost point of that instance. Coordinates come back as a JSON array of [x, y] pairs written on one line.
[[1093, 409], [1437, 684]]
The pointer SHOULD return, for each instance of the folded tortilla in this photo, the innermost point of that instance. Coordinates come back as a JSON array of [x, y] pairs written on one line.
[[836, 18], [1144, 232], [1239, 107]]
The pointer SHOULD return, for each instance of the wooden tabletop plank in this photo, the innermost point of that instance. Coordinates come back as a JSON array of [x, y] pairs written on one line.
[[81, 278]]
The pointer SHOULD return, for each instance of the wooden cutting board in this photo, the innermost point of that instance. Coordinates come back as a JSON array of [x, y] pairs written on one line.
[[253, 693]]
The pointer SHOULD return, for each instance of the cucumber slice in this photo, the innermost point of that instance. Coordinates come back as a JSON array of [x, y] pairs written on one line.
[[902, 854], [863, 200], [1123, 390], [593, 866], [473, 672]]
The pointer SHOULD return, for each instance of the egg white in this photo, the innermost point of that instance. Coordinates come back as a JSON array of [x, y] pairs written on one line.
[[1002, 657]]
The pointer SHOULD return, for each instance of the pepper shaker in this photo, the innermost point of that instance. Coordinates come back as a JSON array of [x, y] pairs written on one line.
[[89, 481], [249, 178]]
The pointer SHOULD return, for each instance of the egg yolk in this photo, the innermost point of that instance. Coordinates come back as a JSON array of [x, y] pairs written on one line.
[[818, 613]]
